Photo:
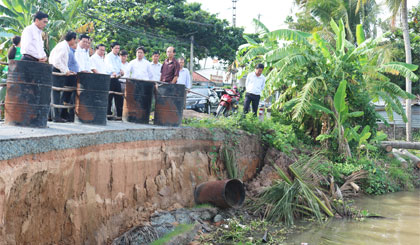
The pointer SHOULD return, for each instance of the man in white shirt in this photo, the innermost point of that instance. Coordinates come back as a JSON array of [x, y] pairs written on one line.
[[32, 45], [97, 60], [156, 66], [82, 54], [59, 57], [255, 82], [184, 74], [140, 68], [113, 61], [125, 67]]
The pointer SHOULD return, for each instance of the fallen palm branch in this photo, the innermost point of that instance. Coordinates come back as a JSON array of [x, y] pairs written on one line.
[[326, 210], [287, 199], [351, 180]]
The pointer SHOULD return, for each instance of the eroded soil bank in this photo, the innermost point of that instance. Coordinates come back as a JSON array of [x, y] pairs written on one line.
[[110, 181]]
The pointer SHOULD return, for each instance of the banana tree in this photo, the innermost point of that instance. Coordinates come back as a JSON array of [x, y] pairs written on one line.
[[63, 16], [67, 16], [307, 70], [340, 113]]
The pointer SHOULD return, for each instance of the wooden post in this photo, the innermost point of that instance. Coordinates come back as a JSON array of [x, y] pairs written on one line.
[[192, 58]]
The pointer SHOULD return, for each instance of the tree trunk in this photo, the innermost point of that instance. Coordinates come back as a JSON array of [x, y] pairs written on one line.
[[397, 156], [387, 148], [402, 144], [408, 60], [412, 157]]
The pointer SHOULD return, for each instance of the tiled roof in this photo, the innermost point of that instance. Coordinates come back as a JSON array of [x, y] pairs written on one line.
[[199, 78]]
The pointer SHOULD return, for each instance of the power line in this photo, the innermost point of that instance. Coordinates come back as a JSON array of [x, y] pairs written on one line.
[[188, 21], [173, 17], [136, 31]]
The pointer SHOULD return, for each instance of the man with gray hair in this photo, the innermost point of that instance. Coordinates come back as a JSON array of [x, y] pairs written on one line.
[[170, 68]]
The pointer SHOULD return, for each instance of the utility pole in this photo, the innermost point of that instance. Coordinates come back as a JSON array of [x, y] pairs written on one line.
[[232, 66], [192, 57], [234, 12]]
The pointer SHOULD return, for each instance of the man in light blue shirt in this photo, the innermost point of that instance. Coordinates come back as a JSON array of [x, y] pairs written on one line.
[[114, 65], [155, 66], [184, 74], [113, 61], [255, 82], [68, 97]]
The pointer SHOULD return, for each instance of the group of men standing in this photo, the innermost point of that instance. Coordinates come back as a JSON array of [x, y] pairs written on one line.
[[71, 56]]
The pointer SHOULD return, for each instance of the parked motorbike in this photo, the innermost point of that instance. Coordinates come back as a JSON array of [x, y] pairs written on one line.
[[228, 102]]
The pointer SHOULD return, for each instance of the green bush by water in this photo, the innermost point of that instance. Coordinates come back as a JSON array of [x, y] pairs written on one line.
[[384, 174], [272, 132]]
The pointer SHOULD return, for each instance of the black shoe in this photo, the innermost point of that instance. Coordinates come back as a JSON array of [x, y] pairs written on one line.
[[60, 120]]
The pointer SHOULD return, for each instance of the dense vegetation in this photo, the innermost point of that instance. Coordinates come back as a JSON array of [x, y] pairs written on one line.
[[324, 82]]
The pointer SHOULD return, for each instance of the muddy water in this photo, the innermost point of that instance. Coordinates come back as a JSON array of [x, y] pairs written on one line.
[[401, 225]]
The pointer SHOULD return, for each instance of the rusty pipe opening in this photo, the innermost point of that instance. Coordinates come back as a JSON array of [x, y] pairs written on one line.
[[234, 193], [222, 193]]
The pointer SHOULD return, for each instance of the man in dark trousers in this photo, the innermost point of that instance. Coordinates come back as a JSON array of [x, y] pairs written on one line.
[[255, 82], [59, 58]]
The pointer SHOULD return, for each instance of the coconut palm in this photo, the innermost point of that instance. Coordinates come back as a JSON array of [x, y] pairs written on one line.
[[353, 12], [396, 6]]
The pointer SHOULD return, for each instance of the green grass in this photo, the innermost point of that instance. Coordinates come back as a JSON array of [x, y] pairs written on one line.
[[182, 228], [204, 205]]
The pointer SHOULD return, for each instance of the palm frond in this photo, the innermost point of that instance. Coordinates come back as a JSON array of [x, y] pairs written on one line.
[[260, 26], [400, 68], [282, 52], [250, 40], [304, 98], [394, 6], [290, 35], [297, 59]]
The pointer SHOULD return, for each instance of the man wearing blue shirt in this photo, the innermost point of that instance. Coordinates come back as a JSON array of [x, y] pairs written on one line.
[[114, 64], [255, 82], [68, 97]]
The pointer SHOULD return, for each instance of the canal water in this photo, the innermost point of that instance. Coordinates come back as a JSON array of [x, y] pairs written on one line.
[[401, 225]]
